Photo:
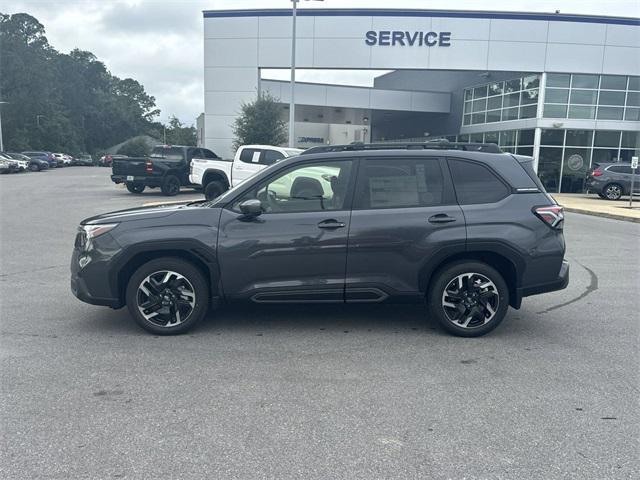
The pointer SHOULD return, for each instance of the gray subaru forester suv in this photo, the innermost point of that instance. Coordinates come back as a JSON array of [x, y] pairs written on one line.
[[464, 228]]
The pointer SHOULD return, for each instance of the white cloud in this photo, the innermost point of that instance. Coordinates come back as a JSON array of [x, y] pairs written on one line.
[[159, 43]]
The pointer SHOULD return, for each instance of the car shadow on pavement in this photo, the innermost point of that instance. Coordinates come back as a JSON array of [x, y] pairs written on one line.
[[264, 319]]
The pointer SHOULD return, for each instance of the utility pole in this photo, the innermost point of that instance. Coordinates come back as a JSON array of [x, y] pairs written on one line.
[[292, 103], [1, 141]]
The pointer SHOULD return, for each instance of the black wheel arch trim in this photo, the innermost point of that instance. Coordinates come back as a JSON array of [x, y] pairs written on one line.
[[461, 251], [214, 172], [191, 247]]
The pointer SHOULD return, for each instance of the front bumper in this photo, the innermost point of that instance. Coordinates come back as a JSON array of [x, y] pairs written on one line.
[[559, 283], [89, 284]]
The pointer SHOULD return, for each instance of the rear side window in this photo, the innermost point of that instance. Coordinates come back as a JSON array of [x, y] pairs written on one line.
[[269, 157], [620, 169], [399, 182], [250, 155], [475, 183]]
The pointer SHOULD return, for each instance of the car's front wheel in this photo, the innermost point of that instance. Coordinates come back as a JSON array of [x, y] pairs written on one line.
[[170, 185], [167, 296], [468, 298]]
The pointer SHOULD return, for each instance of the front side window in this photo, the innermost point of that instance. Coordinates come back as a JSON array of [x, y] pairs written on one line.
[[305, 188], [269, 157], [475, 183], [399, 182]]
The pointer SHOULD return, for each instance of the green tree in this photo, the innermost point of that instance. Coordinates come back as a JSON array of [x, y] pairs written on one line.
[[260, 122], [136, 147], [179, 134], [64, 102]]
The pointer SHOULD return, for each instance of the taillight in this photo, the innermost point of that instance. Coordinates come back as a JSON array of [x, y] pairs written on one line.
[[552, 215], [149, 166], [596, 173]]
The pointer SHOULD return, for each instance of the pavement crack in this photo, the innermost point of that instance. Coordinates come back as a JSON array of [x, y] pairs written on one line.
[[592, 287], [40, 269]]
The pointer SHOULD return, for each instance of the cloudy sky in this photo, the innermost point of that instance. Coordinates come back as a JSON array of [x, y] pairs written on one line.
[[159, 42]]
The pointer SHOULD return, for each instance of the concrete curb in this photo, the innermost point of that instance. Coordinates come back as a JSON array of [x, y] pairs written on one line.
[[613, 216]]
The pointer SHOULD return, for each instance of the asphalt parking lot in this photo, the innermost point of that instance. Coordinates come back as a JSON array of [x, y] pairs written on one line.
[[297, 392]]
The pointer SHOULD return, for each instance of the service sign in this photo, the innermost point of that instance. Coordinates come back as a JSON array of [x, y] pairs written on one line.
[[634, 162], [392, 38]]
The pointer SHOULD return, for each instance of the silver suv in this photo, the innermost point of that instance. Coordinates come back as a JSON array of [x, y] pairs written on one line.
[[612, 180]]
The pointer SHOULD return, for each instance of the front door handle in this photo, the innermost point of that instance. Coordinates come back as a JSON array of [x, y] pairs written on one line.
[[331, 224], [441, 218]]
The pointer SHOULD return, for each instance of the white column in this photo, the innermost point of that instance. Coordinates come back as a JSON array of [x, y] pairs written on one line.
[[539, 112]]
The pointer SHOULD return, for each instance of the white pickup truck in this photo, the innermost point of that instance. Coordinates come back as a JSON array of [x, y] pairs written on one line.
[[217, 176]]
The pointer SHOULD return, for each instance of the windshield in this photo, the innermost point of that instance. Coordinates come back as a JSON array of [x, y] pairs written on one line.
[[291, 152]]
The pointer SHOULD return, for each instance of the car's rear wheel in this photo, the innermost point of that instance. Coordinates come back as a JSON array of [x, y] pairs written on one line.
[[213, 190], [34, 167], [167, 296], [613, 191], [468, 298], [171, 185], [135, 187]]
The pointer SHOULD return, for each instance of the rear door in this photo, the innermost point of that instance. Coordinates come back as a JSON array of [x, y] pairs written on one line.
[[404, 217], [246, 164]]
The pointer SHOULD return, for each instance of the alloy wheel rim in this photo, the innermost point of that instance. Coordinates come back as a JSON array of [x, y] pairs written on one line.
[[166, 298], [613, 191], [470, 300]]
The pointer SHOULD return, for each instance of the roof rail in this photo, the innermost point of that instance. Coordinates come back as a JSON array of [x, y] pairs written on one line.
[[441, 144]]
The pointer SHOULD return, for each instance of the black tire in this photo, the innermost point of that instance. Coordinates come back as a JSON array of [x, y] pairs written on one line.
[[195, 282], [34, 167], [496, 296], [612, 191], [170, 185], [601, 195], [213, 190], [135, 187]]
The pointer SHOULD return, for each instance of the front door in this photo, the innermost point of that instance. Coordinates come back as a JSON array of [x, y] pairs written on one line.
[[296, 249], [405, 217]]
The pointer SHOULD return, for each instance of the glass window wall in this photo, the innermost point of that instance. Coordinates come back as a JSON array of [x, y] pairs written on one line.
[[604, 97]]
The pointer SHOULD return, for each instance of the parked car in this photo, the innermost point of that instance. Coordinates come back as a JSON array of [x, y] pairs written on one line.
[[9, 164], [62, 159], [107, 160], [463, 227], [216, 176], [167, 167], [47, 156], [83, 159], [5, 165], [35, 164], [16, 165], [612, 180]]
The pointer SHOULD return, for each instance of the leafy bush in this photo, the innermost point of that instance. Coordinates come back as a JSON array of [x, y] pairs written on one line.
[[260, 122]]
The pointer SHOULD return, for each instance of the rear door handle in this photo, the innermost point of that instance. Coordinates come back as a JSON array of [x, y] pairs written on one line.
[[331, 224], [441, 218]]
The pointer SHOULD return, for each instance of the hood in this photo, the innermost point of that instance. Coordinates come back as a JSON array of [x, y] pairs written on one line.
[[139, 213]]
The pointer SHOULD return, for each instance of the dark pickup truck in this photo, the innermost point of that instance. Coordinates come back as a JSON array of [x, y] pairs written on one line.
[[167, 167]]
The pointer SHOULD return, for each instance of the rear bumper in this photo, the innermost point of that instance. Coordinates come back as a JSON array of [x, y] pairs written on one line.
[[559, 283], [146, 181]]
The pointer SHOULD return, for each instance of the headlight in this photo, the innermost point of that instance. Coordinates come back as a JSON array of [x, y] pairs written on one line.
[[94, 231]]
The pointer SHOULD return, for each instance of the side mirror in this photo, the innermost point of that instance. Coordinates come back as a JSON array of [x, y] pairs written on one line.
[[251, 207]]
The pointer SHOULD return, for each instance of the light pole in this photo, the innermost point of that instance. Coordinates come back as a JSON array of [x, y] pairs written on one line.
[[292, 103], [1, 142]]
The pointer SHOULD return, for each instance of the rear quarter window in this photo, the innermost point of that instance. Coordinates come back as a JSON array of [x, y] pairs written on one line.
[[250, 155], [620, 169], [474, 183]]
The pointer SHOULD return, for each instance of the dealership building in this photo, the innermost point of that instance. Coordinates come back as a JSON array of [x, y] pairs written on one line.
[[563, 88]]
